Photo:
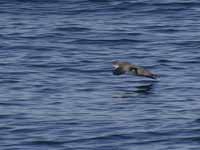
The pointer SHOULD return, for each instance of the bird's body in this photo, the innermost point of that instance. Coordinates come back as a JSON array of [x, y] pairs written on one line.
[[125, 67]]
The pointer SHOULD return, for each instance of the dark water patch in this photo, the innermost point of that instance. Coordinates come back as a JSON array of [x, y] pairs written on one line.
[[55, 103], [86, 89], [11, 104], [24, 130], [174, 62], [177, 4], [37, 57], [132, 6], [45, 143], [5, 116], [5, 75], [167, 30], [105, 138], [190, 62], [9, 81], [164, 61], [48, 90], [72, 29], [110, 42], [5, 128], [169, 11], [86, 62], [36, 37], [189, 43], [36, 1], [197, 120], [178, 67], [45, 65]]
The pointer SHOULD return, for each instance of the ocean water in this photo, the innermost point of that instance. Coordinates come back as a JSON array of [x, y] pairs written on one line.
[[57, 87]]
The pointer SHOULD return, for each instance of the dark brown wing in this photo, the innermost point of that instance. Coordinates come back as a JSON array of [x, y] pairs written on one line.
[[143, 72]]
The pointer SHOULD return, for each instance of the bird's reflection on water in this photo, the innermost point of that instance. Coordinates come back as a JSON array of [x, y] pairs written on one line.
[[134, 91], [144, 89]]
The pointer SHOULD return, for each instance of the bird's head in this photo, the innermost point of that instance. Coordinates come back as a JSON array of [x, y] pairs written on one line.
[[115, 64]]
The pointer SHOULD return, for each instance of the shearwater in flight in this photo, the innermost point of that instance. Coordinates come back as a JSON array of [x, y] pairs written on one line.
[[125, 67]]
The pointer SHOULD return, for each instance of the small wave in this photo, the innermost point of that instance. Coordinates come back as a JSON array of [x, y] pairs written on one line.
[[45, 142]]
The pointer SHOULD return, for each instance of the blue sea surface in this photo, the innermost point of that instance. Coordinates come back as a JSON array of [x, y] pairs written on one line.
[[57, 88]]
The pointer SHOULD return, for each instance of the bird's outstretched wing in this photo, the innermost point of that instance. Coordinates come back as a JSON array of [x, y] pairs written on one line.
[[143, 72]]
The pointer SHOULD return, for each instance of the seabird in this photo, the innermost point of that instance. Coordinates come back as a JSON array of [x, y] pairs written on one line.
[[125, 67]]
